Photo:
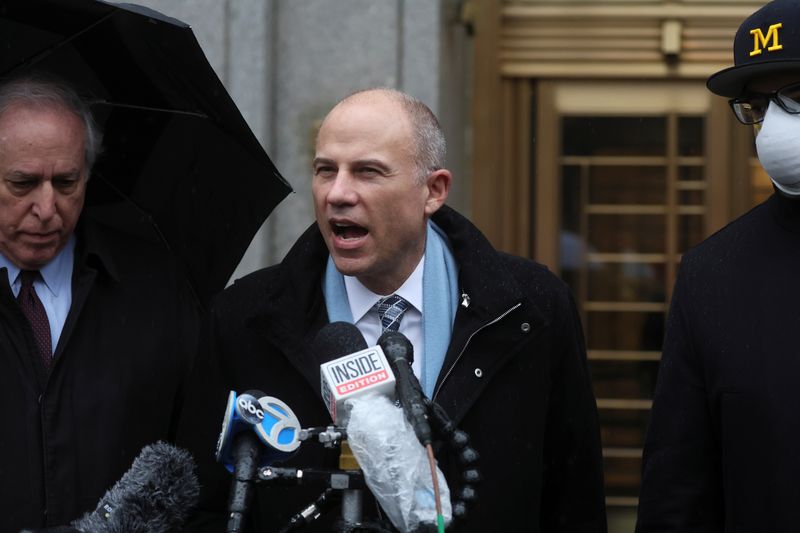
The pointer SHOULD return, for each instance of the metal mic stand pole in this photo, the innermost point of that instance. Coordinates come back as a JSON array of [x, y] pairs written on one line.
[[352, 499]]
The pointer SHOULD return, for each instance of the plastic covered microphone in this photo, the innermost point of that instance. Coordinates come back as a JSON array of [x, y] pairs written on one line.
[[358, 386]]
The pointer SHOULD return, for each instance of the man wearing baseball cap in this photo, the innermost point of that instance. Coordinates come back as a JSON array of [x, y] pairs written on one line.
[[723, 448]]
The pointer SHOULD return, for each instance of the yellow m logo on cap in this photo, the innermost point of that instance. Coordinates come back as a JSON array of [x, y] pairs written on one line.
[[761, 40]]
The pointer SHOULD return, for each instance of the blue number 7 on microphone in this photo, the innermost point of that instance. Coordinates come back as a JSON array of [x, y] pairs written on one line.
[[272, 420]]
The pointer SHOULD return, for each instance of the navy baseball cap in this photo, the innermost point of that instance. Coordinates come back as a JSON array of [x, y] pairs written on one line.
[[768, 41]]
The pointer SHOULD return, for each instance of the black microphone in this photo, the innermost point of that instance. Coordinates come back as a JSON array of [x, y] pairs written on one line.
[[336, 340], [400, 353], [156, 495]]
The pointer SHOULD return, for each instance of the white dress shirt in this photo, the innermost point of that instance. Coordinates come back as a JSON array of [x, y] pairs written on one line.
[[362, 300], [54, 287]]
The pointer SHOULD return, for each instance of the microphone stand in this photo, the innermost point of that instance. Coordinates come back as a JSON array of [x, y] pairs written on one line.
[[352, 499], [348, 484], [245, 453]]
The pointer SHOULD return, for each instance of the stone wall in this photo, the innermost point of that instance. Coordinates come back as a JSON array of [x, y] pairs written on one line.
[[287, 62]]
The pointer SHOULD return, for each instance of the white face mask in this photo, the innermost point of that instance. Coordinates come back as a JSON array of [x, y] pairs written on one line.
[[778, 146]]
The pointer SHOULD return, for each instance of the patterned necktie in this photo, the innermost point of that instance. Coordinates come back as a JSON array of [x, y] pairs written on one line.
[[34, 311], [390, 310]]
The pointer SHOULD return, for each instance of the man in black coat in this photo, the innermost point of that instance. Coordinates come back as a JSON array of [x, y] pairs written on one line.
[[95, 333], [721, 451], [511, 370]]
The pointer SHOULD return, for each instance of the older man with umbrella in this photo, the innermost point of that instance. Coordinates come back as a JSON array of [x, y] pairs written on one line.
[[102, 280]]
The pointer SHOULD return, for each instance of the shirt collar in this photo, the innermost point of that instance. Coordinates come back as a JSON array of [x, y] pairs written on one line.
[[362, 299], [55, 274]]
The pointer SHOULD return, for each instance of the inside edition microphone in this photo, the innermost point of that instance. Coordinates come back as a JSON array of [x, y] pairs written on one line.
[[257, 431], [353, 369]]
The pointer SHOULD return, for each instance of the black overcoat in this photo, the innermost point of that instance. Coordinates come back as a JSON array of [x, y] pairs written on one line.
[[113, 387], [515, 378], [722, 449]]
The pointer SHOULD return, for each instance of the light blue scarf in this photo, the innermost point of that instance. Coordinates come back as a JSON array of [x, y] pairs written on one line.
[[439, 301]]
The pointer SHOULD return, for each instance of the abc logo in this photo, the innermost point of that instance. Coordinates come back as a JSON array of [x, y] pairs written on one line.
[[280, 428], [248, 408]]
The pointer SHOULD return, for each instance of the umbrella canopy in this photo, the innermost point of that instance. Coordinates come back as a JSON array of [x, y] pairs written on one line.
[[179, 163]]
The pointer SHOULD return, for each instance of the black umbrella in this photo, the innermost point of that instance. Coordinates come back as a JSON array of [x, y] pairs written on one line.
[[179, 160]]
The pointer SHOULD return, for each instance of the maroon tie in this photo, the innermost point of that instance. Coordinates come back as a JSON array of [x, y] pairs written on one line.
[[34, 310]]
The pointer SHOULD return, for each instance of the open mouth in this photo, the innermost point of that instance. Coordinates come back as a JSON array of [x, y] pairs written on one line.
[[348, 231]]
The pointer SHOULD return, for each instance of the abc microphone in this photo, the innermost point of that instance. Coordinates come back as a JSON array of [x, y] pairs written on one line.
[[257, 431]]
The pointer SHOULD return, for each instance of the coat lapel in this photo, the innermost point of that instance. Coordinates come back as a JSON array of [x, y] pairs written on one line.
[[495, 318], [91, 258], [292, 309]]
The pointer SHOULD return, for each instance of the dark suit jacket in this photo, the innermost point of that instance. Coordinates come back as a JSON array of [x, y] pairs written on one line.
[[529, 410], [722, 449], [113, 387]]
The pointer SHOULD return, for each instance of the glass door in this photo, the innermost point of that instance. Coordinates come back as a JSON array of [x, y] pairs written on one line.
[[629, 192]]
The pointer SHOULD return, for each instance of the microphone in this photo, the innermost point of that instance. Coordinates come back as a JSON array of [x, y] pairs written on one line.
[[257, 431], [353, 370], [156, 495], [395, 465], [400, 353], [336, 340], [358, 387], [269, 418]]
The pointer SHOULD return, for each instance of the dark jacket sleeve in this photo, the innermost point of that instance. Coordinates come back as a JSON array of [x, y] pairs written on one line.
[[681, 481], [572, 496]]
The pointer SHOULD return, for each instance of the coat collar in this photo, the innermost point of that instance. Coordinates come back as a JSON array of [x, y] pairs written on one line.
[[93, 249], [494, 295], [786, 211], [291, 310], [483, 277], [293, 296]]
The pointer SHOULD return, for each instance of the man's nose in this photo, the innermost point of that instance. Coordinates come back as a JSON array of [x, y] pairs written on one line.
[[343, 190], [44, 201]]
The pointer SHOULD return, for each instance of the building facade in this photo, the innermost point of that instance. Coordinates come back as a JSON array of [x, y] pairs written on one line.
[[580, 134]]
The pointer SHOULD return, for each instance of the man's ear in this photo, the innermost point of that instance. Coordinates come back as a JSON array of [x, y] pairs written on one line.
[[438, 184]]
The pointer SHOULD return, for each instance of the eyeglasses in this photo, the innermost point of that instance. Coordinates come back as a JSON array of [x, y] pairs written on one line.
[[752, 108]]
